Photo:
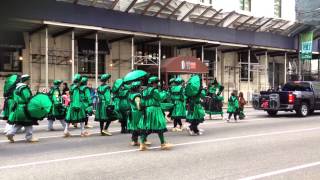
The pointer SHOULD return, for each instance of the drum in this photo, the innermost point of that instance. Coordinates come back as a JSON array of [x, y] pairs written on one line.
[[39, 106]]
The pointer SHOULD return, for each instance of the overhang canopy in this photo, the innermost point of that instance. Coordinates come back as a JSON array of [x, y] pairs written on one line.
[[182, 65]]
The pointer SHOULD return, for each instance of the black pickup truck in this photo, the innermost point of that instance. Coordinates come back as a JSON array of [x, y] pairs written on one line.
[[303, 97]]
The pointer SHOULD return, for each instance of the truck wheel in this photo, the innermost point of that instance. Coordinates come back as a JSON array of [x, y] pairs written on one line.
[[272, 113], [303, 110]]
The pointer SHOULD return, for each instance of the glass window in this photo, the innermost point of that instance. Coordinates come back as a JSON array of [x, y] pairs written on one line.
[[297, 86], [87, 63], [277, 8], [9, 60], [245, 5]]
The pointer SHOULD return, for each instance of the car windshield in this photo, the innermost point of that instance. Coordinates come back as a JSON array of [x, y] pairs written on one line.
[[297, 86]]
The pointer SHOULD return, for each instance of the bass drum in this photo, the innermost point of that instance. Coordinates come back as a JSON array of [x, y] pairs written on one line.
[[39, 106]]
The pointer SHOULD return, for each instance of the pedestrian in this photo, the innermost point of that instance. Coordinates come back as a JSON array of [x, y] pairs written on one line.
[[195, 111], [154, 120], [66, 99], [77, 111], [233, 106], [18, 117], [86, 99], [242, 103], [104, 102], [65, 88], [58, 110], [179, 108]]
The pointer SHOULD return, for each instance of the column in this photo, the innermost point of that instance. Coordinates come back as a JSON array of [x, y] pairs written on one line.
[[72, 54], [285, 67], [202, 53], [96, 57], [47, 60], [159, 60], [249, 70], [216, 65], [30, 60], [266, 70], [273, 71], [132, 53]]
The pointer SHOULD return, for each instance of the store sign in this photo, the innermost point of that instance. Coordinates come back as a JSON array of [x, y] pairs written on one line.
[[306, 45], [188, 65]]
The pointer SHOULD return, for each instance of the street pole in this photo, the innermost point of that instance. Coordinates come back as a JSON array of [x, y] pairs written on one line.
[[249, 70], [216, 63], [266, 71], [30, 60], [285, 67]]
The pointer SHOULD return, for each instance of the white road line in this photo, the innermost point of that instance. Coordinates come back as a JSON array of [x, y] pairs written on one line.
[[135, 150], [282, 171]]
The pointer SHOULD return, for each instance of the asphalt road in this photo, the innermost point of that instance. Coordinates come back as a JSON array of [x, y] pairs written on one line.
[[259, 147]]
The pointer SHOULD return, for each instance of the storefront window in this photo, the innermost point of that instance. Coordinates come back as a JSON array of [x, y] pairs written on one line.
[[245, 5], [277, 8], [243, 60], [10, 60], [87, 64]]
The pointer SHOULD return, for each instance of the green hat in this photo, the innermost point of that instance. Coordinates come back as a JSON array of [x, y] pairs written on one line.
[[178, 80], [153, 79], [84, 80], [135, 84], [193, 86], [105, 77], [57, 82], [116, 85], [25, 77], [171, 80], [77, 78]]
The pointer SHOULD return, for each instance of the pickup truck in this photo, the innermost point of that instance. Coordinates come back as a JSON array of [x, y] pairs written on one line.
[[303, 97]]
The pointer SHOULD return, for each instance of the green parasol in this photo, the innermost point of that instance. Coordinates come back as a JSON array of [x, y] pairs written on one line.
[[193, 86], [116, 85], [134, 75], [39, 106], [10, 84]]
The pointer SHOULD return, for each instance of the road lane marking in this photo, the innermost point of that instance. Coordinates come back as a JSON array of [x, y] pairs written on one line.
[[157, 147], [282, 171]]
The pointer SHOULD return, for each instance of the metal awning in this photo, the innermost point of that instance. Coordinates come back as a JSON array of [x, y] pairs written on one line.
[[197, 13]]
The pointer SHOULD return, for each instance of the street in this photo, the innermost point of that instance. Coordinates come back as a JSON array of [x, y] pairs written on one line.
[[259, 147]]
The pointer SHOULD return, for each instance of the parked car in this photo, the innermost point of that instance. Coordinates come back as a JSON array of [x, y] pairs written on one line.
[[303, 97]]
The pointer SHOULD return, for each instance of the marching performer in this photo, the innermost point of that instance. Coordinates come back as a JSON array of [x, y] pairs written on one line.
[[136, 113], [154, 120], [215, 103], [9, 87], [77, 111], [120, 93], [18, 117], [104, 101], [233, 106], [86, 99], [58, 110], [178, 99], [195, 111]]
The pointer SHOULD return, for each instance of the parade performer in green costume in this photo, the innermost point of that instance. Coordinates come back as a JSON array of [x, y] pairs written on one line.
[[104, 113], [214, 103], [195, 111], [18, 116], [233, 106], [77, 111], [58, 111], [154, 120], [120, 93], [9, 87], [86, 99], [136, 113], [178, 99]]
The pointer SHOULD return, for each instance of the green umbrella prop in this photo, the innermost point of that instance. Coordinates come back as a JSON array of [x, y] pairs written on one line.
[[116, 85], [134, 75], [10, 84], [193, 86], [39, 106]]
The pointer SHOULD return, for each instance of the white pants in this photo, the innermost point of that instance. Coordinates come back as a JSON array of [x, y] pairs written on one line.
[[13, 130], [66, 129], [50, 124]]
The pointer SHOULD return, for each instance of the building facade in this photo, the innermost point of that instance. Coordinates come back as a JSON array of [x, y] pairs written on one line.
[[247, 45]]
